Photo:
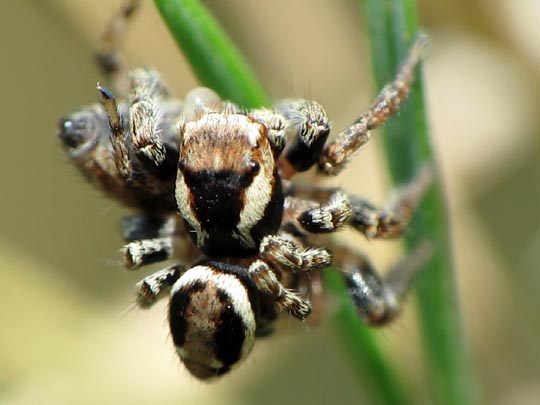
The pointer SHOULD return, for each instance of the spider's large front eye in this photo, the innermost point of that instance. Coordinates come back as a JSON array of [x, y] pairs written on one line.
[[72, 131], [254, 167], [181, 164]]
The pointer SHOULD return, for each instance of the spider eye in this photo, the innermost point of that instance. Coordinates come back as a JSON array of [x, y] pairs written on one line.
[[254, 167], [181, 164], [72, 131]]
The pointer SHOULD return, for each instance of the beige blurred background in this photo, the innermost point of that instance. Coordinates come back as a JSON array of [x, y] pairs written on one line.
[[67, 333]]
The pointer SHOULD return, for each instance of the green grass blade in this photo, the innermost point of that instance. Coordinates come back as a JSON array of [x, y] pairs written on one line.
[[371, 365], [220, 66], [392, 27], [212, 55]]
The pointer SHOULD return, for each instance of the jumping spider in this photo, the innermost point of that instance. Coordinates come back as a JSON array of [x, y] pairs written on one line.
[[242, 244]]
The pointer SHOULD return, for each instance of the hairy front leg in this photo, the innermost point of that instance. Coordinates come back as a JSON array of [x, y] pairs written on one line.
[[142, 147], [308, 127], [118, 133], [387, 103], [276, 127], [147, 92]]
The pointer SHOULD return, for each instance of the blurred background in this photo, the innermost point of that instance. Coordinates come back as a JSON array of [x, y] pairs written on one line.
[[67, 332]]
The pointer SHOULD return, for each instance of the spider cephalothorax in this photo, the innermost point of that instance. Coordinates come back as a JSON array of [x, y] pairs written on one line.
[[228, 188], [244, 246]]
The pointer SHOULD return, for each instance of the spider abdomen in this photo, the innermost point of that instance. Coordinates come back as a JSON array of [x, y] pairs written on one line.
[[212, 315]]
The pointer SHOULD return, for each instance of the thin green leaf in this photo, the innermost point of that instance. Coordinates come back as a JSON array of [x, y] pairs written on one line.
[[212, 55], [392, 27], [371, 365]]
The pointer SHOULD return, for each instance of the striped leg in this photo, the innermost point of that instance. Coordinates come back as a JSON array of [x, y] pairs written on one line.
[[387, 103], [109, 57], [285, 254], [267, 283], [379, 299], [156, 285]]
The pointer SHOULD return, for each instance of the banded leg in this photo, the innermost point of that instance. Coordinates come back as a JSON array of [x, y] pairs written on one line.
[[145, 115], [109, 58], [266, 282], [144, 125], [147, 251], [118, 134], [329, 216], [275, 125], [392, 221], [340, 209], [285, 254], [304, 201], [146, 89], [138, 227], [379, 300], [153, 287], [308, 125], [385, 105]]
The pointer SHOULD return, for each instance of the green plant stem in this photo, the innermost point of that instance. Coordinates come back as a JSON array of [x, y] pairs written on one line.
[[392, 27], [212, 55], [370, 364]]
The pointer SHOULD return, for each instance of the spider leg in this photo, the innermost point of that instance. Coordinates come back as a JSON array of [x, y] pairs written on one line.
[[387, 103], [147, 251], [275, 125], [154, 286], [308, 126], [267, 283], [117, 134], [329, 216], [284, 253], [109, 58], [147, 92], [379, 299], [374, 222], [392, 221], [152, 240], [137, 227], [137, 139]]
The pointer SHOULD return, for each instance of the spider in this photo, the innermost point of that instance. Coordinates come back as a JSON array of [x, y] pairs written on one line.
[[245, 243]]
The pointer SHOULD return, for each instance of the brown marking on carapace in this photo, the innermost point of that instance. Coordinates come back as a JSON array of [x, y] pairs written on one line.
[[218, 142]]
